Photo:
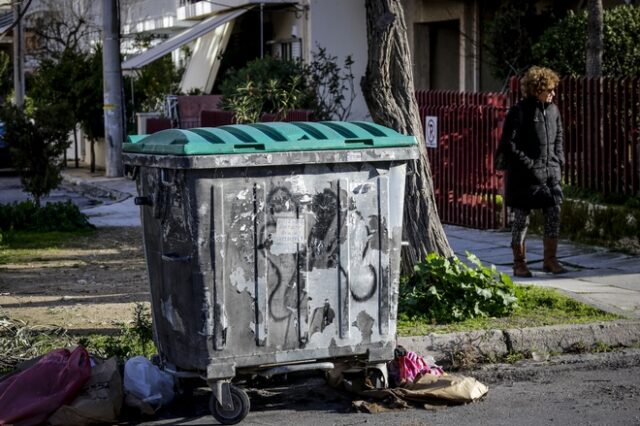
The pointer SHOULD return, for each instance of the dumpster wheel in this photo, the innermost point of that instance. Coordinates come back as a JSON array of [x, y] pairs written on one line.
[[241, 406]]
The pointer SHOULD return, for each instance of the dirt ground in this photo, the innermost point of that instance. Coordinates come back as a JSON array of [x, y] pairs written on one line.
[[91, 283]]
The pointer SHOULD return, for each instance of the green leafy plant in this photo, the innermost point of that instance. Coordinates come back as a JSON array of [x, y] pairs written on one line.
[[251, 100], [562, 47], [265, 85], [27, 216], [510, 33], [447, 290], [37, 143], [273, 86], [135, 338], [333, 85], [73, 81]]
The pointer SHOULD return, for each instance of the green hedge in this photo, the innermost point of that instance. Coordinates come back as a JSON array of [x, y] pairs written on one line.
[[26, 216]]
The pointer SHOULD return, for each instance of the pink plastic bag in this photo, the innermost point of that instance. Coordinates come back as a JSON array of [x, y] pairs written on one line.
[[408, 365], [31, 396]]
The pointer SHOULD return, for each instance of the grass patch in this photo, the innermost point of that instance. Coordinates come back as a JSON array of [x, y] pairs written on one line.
[[20, 341], [26, 246], [537, 307]]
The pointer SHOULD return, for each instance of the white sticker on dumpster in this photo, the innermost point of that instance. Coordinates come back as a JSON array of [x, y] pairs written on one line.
[[289, 233]]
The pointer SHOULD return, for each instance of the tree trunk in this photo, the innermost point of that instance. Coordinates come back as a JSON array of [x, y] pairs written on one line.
[[93, 157], [389, 92], [75, 145], [595, 39]]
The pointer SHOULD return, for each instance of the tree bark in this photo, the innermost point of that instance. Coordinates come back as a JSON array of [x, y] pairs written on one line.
[[389, 92], [595, 39]]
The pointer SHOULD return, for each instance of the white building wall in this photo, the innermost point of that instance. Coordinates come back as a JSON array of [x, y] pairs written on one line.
[[340, 26]]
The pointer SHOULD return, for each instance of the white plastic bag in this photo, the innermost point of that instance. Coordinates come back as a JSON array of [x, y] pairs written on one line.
[[147, 382]]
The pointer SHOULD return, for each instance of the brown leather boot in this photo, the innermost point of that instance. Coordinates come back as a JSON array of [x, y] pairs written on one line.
[[520, 268], [551, 263]]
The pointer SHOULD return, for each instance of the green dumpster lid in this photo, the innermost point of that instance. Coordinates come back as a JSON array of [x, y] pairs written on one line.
[[268, 137]]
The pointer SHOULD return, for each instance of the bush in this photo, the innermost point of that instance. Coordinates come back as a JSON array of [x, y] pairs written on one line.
[[562, 47], [274, 86], [447, 290], [37, 145], [613, 226], [331, 84], [265, 85], [27, 216], [510, 33]]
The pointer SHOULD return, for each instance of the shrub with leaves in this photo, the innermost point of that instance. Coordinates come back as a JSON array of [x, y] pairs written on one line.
[[269, 85], [265, 85], [510, 32], [37, 143], [447, 290], [134, 338], [333, 85], [562, 47], [27, 216], [251, 100]]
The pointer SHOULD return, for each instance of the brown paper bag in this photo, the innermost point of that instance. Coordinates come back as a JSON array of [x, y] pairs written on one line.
[[99, 401]]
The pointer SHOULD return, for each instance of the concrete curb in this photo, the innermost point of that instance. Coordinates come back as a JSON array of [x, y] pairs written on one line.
[[491, 345], [94, 190]]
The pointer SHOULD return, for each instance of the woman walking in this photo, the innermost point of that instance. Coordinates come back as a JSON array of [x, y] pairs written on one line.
[[531, 143]]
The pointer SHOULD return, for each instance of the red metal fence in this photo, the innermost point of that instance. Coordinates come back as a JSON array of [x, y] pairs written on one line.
[[601, 121], [465, 184]]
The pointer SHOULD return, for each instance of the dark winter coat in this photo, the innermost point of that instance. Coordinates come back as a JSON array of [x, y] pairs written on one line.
[[532, 144]]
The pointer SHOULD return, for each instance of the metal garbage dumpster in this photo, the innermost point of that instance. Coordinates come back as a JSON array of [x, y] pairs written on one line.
[[271, 244]]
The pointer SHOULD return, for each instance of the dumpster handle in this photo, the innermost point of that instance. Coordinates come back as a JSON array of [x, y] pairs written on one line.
[[359, 141], [243, 146], [172, 180], [143, 201], [172, 257], [132, 172]]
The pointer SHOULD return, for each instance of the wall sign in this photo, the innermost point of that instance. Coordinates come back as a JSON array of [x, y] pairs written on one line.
[[431, 131]]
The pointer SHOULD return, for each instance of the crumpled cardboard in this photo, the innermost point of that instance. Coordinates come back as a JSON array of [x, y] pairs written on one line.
[[100, 401], [428, 390], [451, 388]]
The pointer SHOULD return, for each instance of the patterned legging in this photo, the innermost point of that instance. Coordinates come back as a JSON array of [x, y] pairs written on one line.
[[521, 223]]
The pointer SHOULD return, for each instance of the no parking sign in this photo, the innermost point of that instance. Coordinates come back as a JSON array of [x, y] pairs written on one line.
[[431, 131]]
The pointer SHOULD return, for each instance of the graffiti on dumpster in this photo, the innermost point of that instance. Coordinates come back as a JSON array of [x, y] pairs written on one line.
[[283, 297], [289, 246]]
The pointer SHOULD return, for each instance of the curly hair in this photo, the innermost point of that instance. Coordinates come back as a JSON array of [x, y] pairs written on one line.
[[538, 79]]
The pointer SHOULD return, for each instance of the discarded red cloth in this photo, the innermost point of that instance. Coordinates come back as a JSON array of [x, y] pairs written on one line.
[[31, 396]]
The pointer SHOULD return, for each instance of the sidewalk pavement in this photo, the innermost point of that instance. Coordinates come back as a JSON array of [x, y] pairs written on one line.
[[599, 277]]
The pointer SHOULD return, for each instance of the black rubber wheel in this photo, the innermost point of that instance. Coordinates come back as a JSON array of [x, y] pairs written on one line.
[[241, 406]]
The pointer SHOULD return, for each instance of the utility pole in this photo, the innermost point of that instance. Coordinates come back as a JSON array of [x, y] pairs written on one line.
[[112, 86], [18, 56]]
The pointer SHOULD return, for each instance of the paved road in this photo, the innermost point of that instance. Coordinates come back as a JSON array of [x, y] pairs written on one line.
[[11, 191], [104, 206], [600, 389]]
